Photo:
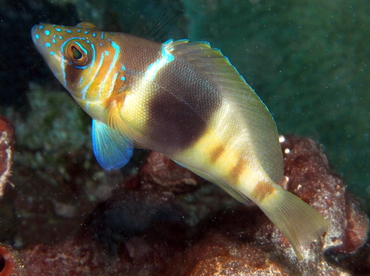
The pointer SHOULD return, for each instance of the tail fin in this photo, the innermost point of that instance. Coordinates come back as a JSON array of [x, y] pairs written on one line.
[[299, 222]]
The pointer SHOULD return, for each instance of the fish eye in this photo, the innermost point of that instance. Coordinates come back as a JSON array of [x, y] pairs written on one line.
[[78, 53]]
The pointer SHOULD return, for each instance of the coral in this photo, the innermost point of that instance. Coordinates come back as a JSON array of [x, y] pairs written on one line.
[[161, 171], [324, 190], [6, 151], [150, 227], [10, 262]]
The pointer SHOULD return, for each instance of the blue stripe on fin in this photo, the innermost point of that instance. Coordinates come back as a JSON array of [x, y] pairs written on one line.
[[112, 150]]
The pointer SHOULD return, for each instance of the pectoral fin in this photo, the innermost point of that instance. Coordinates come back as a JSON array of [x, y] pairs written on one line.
[[112, 150]]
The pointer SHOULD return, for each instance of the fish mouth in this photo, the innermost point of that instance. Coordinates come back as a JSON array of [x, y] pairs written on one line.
[[48, 49]]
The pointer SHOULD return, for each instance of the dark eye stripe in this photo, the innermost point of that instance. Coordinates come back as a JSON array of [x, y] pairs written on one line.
[[76, 53]]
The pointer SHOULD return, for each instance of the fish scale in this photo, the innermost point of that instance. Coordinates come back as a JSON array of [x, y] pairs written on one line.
[[184, 100]]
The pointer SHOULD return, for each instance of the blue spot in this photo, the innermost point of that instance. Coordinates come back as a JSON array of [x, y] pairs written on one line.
[[108, 39], [47, 32], [47, 45], [60, 37], [106, 53], [102, 35], [94, 34], [58, 30], [41, 27], [101, 44], [112, 33], [69, 31], [87, 41], [123, 78], [86, 32], [78, 30], [37, 36], [123, 68], [54, 26], [52, 53]]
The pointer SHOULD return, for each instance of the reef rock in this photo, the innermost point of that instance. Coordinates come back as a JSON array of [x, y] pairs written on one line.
[[167, 221]]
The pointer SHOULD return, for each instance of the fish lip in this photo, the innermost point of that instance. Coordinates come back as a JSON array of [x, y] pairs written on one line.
[[33, 36], [53, 63]]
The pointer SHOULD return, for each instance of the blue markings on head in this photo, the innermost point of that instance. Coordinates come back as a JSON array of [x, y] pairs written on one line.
[[58, 30], [37, 36], [41, 27], [123, 68], [118, 49], [48, 44], [123, 78], [60, 37], [100, 44], [86, 32], [78, 30], [94, 34], [106, 53], [102, 35], [52, 53], [47, 32], [68, 31]]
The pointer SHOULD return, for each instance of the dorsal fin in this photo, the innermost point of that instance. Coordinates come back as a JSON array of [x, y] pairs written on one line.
[[87, 25], [232, 86]]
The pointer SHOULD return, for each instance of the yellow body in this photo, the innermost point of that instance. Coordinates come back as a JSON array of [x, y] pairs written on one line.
[[184, 100]]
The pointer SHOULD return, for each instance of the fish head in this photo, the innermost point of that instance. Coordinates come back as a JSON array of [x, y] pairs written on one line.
[[82, 59]]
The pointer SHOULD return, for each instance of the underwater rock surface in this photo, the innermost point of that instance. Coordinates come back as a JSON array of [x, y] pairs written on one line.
[[167, 221], [6, 151]]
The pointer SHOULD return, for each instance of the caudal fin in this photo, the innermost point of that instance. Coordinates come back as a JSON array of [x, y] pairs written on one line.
[[299, 222]]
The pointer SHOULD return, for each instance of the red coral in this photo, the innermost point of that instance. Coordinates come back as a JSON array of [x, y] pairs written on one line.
[[10, 264], [6, 151]]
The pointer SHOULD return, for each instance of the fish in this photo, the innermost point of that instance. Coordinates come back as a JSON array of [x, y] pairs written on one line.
[[185, 100]]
